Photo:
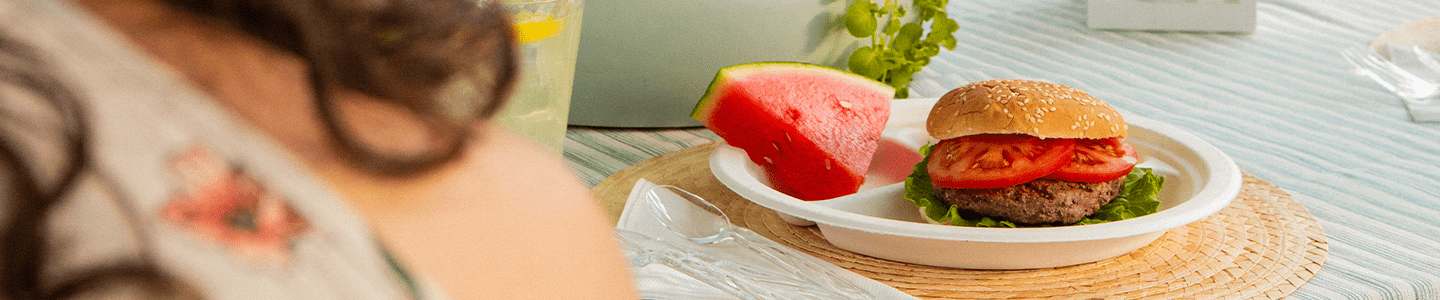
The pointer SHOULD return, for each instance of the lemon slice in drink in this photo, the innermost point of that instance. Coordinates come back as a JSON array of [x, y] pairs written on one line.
[[530, 27]]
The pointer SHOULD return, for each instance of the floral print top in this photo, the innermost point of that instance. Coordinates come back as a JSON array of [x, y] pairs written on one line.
[[180, 182], [219, 203]]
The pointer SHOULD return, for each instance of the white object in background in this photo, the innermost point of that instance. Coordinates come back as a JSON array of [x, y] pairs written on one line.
[[658, 281], [644, 63], [1199, 181], [1178, 15]]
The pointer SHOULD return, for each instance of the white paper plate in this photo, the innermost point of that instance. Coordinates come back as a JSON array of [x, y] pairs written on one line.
[[877, 221]]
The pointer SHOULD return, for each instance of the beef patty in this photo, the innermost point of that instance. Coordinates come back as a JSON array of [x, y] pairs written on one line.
[[1035, 202]]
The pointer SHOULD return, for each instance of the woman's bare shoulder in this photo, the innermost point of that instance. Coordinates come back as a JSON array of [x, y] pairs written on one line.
[[516, 216], [513, 164]]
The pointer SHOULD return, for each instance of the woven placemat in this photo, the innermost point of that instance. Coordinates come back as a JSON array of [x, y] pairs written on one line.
[[1263, 246]]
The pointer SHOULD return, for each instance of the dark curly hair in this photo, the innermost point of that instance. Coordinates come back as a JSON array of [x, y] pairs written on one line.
[[449, 63], [416, 54]]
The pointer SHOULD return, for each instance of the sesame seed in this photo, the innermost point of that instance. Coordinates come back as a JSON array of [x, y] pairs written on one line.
[[768, 160]]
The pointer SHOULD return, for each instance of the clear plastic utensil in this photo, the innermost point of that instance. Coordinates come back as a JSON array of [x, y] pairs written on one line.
[[1413, 89], [662, 282], [1422, 63], [690, 216], [642, 250]]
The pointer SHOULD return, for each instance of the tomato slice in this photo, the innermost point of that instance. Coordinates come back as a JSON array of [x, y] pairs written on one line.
[[1098, 160], [988, 161]]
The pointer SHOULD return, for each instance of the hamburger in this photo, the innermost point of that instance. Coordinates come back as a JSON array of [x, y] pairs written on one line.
[[1020, 152]]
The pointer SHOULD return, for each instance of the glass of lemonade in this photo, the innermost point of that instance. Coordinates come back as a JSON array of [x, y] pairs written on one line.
[[548, 33]]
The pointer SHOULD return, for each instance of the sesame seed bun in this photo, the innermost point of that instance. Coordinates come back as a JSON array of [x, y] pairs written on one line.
[[1040, 109]]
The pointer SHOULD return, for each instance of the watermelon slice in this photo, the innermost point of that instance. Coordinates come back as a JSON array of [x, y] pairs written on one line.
[[814, 129]]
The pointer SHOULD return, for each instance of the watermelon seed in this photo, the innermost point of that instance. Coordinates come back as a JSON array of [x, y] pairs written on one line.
[[767, 160], [777, 146], [844, 104], [827, 164], [793, 114]]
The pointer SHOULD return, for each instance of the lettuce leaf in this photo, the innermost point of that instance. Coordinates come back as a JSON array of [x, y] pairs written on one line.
[[1137, 198], [920, 191]]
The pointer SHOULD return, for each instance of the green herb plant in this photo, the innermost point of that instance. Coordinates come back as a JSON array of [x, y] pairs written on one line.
[[897, 51]]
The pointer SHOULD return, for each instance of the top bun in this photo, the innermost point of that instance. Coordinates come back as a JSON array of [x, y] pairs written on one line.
[[1040, 109]]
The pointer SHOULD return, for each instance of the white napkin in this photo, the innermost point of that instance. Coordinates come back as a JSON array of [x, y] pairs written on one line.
[[637, 217]]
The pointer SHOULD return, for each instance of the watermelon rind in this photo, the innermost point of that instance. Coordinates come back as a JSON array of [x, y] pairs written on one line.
[[703, 107]]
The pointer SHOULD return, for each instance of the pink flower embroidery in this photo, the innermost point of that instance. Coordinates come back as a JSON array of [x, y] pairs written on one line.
[[220, 203]]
